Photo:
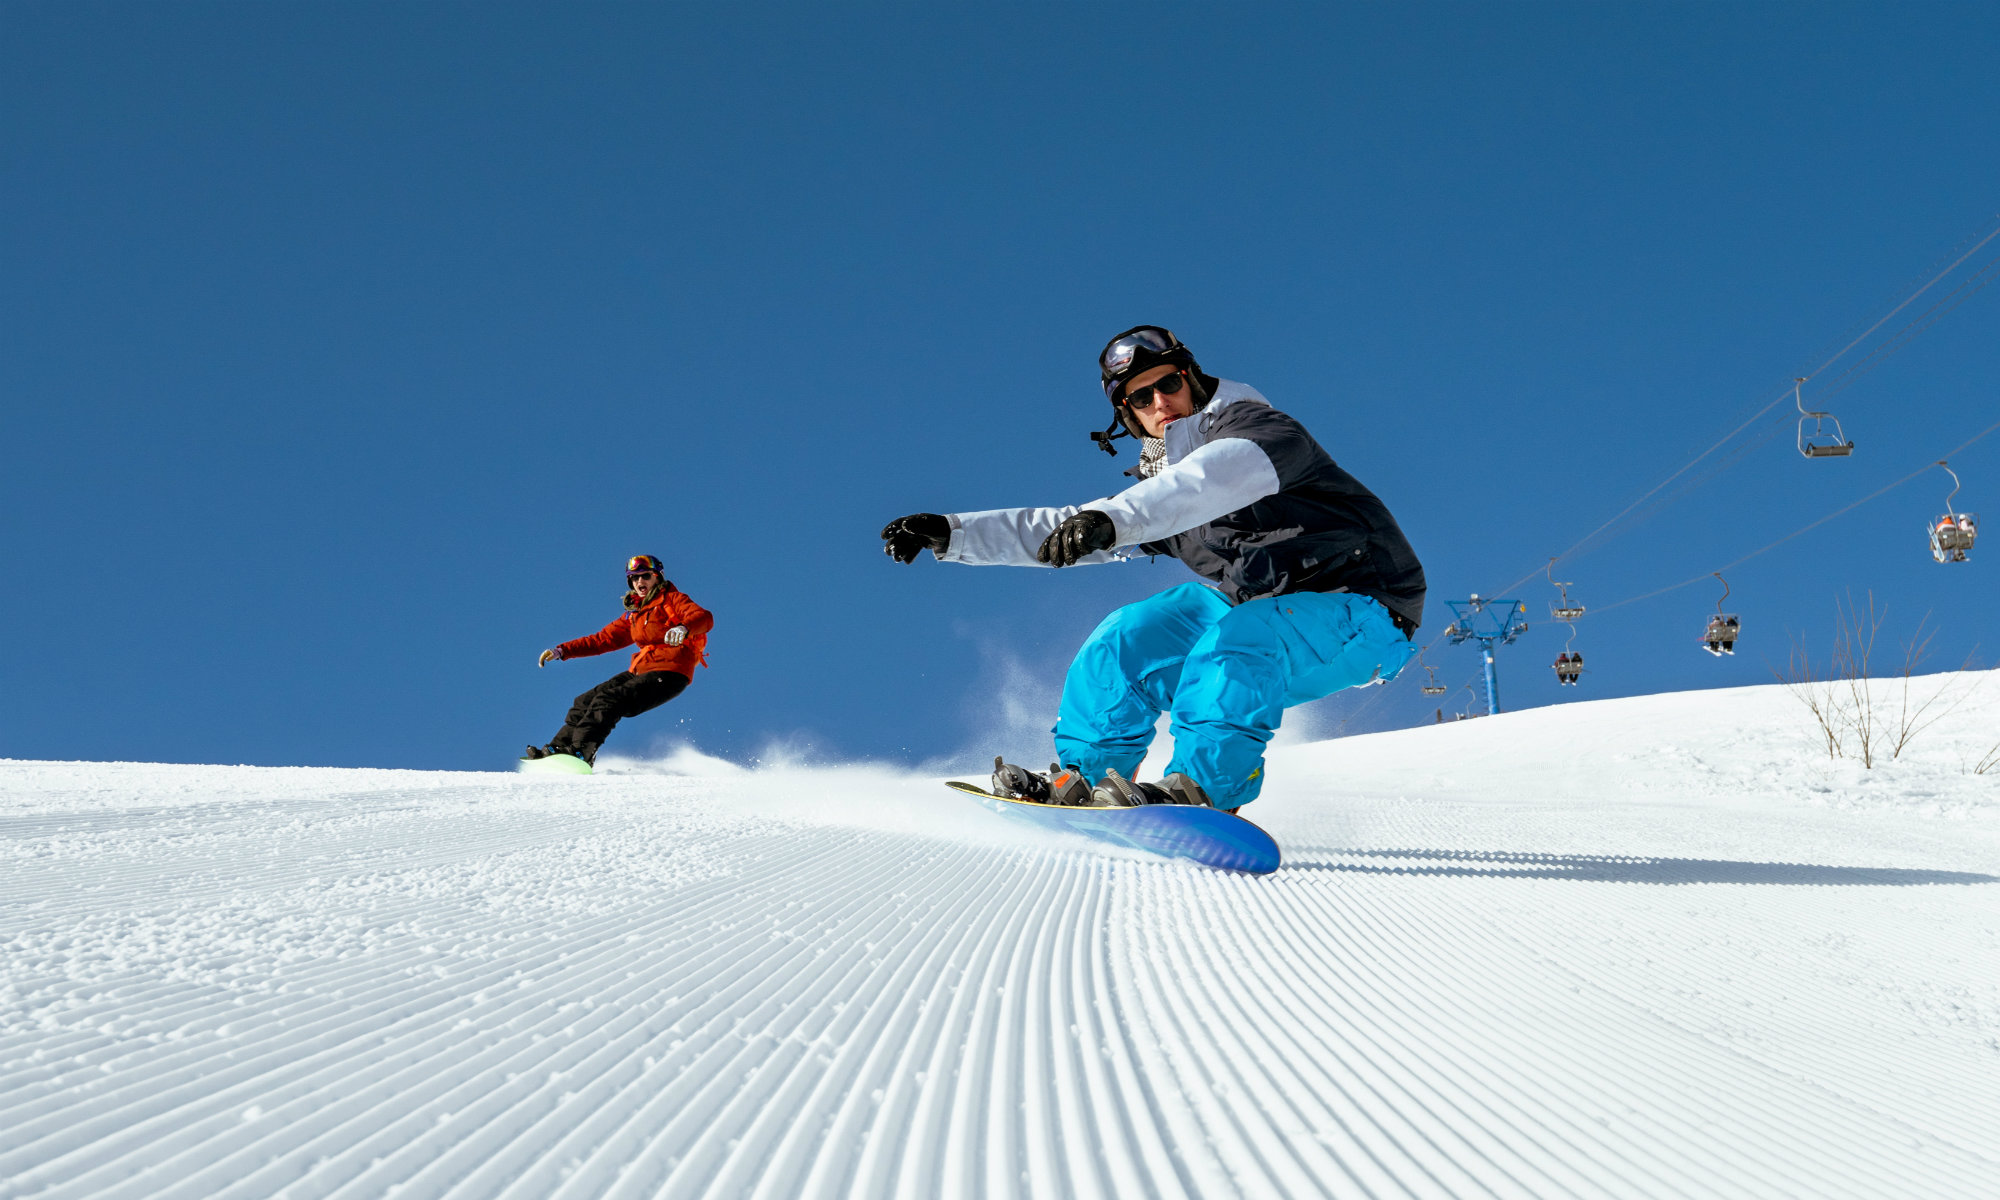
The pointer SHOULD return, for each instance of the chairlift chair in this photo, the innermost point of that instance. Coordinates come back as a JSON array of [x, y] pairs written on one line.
[[1720, 636], [1564, 611], [1432, 688], [1819, 443], [1953, 533], [1569, 664]]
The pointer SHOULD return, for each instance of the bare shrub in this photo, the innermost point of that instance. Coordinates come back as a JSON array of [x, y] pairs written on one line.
[[1817, 693], [1988, 761], [1855, 714], [1912, 718], [1853, 646]]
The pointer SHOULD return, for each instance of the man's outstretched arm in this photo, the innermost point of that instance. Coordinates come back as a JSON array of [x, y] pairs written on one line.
[[1219, 478], [1013, 537], [1215, 480], [1005, 537]]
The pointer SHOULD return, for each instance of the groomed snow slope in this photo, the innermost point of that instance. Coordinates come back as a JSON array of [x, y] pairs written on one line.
[[1649, 947]]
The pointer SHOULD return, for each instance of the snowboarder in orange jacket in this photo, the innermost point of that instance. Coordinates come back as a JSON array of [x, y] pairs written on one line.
[[671, 633]]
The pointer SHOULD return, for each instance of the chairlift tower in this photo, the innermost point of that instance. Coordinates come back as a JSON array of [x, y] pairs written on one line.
[[1490, 623]]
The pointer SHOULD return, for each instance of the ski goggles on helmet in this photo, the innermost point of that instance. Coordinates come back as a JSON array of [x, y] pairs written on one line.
[[1117, 357], [1145, 346], [640, 566]]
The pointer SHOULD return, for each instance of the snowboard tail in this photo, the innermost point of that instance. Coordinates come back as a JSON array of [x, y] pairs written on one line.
[[1205, 835]]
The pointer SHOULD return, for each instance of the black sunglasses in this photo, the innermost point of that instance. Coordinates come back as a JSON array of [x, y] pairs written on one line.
[[1140, 398]]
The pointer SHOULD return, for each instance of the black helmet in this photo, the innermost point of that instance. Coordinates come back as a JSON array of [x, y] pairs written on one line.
[[1134, 352]]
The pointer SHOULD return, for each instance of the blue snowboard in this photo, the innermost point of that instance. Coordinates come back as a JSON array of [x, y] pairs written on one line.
[[1209, 836]]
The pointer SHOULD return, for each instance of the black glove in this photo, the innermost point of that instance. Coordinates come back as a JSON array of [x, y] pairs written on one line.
[[904, 537], [1086, 532]]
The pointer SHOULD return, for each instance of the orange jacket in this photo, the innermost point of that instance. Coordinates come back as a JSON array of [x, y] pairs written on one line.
[[645, 626]]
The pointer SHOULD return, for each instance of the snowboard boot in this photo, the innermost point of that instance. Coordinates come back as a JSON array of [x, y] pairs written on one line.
[[1185, 790], [584, 751], [1059, 786], [535, 752], [1116, 791]]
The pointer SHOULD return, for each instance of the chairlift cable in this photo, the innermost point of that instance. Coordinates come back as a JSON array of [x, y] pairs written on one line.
[[1689, 484], [1969, 244], [1789, 392], [1916, 326], [1807, 529], [1909, 300], [1368, 704]]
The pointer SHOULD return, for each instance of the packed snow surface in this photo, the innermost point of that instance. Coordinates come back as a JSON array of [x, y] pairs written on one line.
[[1648, 947]]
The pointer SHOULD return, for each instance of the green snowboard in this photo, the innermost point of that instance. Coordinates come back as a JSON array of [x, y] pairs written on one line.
[[555, 764]]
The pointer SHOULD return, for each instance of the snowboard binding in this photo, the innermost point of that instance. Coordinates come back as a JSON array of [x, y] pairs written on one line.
[[1065, 787], [1060, 786], [1119, 792]]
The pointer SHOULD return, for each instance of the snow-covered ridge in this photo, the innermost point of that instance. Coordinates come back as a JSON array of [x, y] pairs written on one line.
[[1753, 743], [1649, 947]]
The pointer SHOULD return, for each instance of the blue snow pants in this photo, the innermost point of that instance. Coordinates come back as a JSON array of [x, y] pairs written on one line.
[[1226, 673]]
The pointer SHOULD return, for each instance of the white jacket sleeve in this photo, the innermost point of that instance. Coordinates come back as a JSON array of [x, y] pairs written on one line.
[[1217, 479], [1009, 537]]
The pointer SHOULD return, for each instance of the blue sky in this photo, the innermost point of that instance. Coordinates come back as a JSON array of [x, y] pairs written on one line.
[[347, 350]]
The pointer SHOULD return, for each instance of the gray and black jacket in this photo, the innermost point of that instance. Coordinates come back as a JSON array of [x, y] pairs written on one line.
[[1243, 495]]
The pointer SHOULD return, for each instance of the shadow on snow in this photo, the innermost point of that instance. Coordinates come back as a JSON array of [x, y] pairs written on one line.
[[1615, 868]]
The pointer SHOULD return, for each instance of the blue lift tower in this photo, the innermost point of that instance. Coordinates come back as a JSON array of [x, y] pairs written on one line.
[[1490, 623]]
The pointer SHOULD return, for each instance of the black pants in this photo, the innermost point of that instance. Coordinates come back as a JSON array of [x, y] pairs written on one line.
[[596, 712]]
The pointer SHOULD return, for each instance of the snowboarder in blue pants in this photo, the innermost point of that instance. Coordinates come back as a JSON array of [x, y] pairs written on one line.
[[1315, 588]]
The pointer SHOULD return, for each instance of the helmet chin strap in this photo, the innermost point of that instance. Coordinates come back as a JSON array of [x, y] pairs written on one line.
[[1111, 434]]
